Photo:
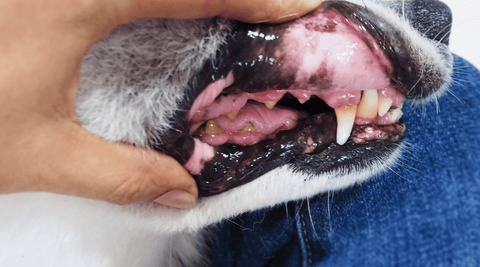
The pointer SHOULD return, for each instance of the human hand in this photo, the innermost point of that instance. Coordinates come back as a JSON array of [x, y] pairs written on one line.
[[43, 148]]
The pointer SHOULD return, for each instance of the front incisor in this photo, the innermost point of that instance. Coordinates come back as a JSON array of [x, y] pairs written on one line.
[[368, 105]]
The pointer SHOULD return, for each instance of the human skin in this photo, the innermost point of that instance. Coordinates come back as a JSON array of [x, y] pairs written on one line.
[[43, 148]]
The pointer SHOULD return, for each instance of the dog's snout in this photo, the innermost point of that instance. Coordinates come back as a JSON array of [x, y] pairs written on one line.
[[432, 18]]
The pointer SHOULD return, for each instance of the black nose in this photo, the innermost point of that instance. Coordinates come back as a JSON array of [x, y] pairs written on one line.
[[433, 18]]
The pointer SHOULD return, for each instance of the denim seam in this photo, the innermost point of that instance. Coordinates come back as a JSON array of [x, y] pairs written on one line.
[[305, 239]]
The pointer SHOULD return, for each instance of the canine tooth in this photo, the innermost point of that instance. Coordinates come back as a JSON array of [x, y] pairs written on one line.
[[302, 101], [232, 114], [384, 105], [368, 105], [248, 128], [270, 104], [396, 115], [212, 128], [345, 120]]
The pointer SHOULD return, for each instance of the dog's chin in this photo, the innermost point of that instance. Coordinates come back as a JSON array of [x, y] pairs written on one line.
[[281, 185], [297, 160]]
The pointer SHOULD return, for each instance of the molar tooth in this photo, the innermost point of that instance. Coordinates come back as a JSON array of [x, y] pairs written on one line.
[[232, 114], [384, 105], [248, 128], [288, 123], [195, 126], [368, 105], [302, 99], [345, 120], [395, 115], [212, 128], [270, 104]]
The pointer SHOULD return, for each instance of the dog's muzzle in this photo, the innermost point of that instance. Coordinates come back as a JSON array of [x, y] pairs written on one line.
[[321, 92]]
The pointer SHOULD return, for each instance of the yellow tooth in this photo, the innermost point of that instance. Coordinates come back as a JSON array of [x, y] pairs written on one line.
[[368, 106], [195, 126], [345, 120], [288, 123], [212, 128], [302, 101], [270, 104], [232, 114], [384, 105], [248, 128]]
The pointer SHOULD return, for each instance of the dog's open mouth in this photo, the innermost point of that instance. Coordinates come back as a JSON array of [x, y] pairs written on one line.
[[323, 91]]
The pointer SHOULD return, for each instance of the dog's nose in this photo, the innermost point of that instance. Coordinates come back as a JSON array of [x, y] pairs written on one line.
[[433, 18]]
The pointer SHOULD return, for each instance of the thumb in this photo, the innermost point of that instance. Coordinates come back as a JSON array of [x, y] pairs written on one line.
[[83, 164]]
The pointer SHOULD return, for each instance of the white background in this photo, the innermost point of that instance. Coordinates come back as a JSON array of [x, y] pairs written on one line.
[[465, 36]]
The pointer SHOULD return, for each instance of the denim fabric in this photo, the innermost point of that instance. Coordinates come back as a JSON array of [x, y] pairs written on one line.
[[423, 212]]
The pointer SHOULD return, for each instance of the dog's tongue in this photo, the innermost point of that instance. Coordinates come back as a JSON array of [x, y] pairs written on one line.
[[251, 124]]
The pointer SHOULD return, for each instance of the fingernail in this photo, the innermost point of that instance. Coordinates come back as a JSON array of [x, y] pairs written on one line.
[[177, 199]]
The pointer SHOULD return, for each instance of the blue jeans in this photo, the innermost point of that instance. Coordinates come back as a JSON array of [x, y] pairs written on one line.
[[423, 212]]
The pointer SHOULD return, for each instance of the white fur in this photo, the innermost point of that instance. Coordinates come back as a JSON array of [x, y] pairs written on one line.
[[42, 229]]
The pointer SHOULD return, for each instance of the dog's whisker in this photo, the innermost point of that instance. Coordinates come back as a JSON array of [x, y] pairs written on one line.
[[329, 210], [311, 219], [450, 92]]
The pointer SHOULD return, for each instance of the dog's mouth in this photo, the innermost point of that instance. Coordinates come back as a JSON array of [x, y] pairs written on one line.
[[322, 92]]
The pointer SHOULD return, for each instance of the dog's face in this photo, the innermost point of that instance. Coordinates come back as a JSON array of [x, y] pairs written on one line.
[[264, 114]]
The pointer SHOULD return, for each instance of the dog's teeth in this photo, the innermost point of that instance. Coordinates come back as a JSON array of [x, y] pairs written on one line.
[[288, 123], [232, 114], [401, 104], [384, 105], [212, 128], [270, 104], [196, 126], [248, 128], [302, 101], [368, 105], [395, 114], [345, 120]]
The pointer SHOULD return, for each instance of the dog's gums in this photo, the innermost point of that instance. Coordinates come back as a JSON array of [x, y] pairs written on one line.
[[327, 88]]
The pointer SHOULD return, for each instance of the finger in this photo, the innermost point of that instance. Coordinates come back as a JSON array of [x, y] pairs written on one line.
[[253, 11], [83, 164], [268, 10], [113, 12]]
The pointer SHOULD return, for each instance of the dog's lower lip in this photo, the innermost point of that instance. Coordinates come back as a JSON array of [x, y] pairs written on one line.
[[232, 165]]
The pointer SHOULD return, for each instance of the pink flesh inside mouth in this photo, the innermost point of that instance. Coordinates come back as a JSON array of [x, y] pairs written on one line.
[[360, 93]]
